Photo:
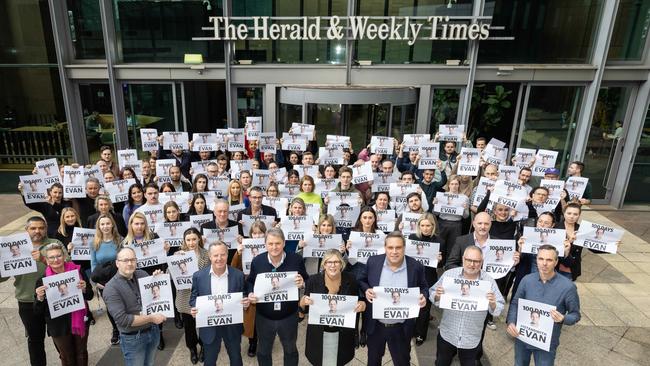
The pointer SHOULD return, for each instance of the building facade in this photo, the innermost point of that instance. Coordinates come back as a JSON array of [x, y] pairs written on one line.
[[571, 76]]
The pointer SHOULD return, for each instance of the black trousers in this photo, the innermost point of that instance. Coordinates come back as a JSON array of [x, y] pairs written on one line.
[[35, 332], [422, 321], [189, 325], [399, 345], [446, 352]]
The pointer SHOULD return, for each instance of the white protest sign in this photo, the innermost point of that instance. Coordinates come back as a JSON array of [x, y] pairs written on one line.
[[481, 190], [226, 235], [544, 159], [174, 140], [365, 245], [294, 142], [381, 145], [236, 140], [381, 181], [508, 194], [198, 220], [34, 188], [598, 237], [395, 303], [153, 214], [423, 252], [63, 295], [266, 142], [535, 324], [410, 222], [498, 259], [16, 255], [317, 244], [127, 158], [49, 169], [576, 187], [362, 173], [156, 295], [411, 142], [295, 227], [181, 267], [338, 141], [523, 157], [470, 160], [248, 220], [450, 203], [172, 232], [81, 241], [451, 132], [118, 190], [73, 182], [205, 142], [554, 187], [150, 253], [148, 137], [252, 247], [219, 309], [276, 287], [330, 155], [344, 216], [385, 220], [429, 153], [536, 237], [509, 173], [464, 295], [333, 310]]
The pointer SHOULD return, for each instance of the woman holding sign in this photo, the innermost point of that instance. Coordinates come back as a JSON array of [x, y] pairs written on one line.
[[51, 210], [426, 231], [323, 342], [69, 220], [135, 200], [69, 331], [198, 206], [192, 242]]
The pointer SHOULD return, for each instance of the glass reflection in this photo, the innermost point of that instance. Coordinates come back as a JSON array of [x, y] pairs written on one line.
[[630, 31]]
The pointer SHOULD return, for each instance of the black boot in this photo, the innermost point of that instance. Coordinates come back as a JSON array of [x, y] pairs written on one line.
[[178, 321], [194, 358], [115, 339], [201, 355], [161, 344], [252, 348]]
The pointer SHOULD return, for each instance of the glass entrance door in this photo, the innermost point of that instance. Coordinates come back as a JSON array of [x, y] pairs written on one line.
[[606, 138]]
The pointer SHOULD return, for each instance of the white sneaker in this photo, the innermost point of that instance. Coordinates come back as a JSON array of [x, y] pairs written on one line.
[[491, 325]]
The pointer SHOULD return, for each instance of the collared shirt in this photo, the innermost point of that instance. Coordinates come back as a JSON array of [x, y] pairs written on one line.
[[123, 301], [558, 291], [463, 329], [268, 257], [218, 284], [483, 247], [396, 278]]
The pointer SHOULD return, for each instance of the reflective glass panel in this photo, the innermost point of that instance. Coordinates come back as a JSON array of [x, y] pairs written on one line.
[[98, 117], [630, 31], [403, 120], [205, 105], [328, 119], [85, 24], [287, 114], [493, 111], [637, 189], [250, 103], [444, 108], [26, 32]]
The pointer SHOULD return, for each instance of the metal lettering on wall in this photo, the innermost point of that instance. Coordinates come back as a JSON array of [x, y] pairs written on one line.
[[408, 29]]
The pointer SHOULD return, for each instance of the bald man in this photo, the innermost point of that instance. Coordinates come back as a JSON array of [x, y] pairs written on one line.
[[482, 223]]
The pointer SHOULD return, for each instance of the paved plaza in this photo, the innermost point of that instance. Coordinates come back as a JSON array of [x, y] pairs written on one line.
[[614, 294]]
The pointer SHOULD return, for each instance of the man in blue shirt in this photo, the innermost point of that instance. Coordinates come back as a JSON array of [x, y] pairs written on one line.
[[547, 287]]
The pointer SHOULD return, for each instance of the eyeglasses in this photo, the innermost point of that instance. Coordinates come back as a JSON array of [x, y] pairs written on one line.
[[129, 260], [472, 261], [55, 257], [332, 263]]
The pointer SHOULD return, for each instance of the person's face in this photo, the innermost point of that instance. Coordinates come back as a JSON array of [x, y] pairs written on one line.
[[221, 213], [326, 227], [255, 251], [275, 282], [175, 173], [268, 157], [415, 203], [199, 205], [219, 257], [571, 215], [255, 198], [218, 306], [294, 179], [293, 159], [382, 202], [201, 184], [274, 246], [374, 162], [545, 221], [346, 179], [235, 190], [307, 186], [332, 305], [136, 195], [155, 291], [395, 296], [387, 167], [272, 191], [152, 195], [419, 249], [145, 250], [534, 317], [105, 225], [408, 179], [55, 260], [491, 172], [450, 147], [245, 179], [191, 241], [454, 186], [573, 169], [103, 206], [472, 262], [109, 176], [36, 231], [308, 159], [15, 250], [106, 155], [499, 255], [367, 219], [214, 170], [145, 168], [394, 251], [127, 174], [482, 225], [464, 289], [171, 213], [413, 155], [92, 189], [428, 176], [56, 193], [330, 173], [551, 176], [502, 212], [138, 226], [126, 263], [524, 176], [255, 164], [546, 262], [540, 196], [70, 218], [103, 167], [63, 289], [480, 144], [297, 209], [426, 227]]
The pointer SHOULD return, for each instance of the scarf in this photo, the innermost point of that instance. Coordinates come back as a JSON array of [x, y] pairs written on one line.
[[77, 317]]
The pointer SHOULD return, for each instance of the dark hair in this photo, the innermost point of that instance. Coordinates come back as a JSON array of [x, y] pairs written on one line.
[[580, 165], [192, 210], [548, 213], [573, 205], [396, 235], [129, 169], [358, 226], [538, 188], [525, 168], [130, 201], [105, 147], [196, 179], [150, 185], [293, 172], [376, 196], [55, 185], [165, 185], [171, 204]]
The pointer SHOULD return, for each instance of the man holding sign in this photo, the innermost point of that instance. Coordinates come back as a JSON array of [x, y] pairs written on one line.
[[278, 315], [545, 287], [397, 271], [462, 324], [223, 280]]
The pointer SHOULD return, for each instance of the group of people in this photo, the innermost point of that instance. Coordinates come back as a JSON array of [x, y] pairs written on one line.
[[121, 226]]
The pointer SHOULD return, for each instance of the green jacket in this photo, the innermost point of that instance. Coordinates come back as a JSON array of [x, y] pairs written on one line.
[[26, 284]]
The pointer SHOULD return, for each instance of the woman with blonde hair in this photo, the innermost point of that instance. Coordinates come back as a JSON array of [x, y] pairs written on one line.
[[327, 345], [235, 195]]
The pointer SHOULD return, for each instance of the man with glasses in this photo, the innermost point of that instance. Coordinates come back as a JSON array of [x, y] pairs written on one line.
[[25, 284], [139, 334], [256, 207], [461, 332]]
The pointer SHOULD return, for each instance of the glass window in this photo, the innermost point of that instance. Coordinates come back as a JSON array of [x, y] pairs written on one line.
[[312, 52], [403, 120], [250, 103], [162, 31], [444, 108], [492, 113], [423, 51], [637, 188], [205, 105], [85, 24], [98, 117], [545, 32], [288, 114], [630, 31], [606, 129], [26, 33], [365, 121], [551, 118], [328, 119]]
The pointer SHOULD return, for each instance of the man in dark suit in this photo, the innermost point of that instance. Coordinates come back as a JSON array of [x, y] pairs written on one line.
[[220, 209], [392, 269], [481, 224], [256, 207], [219, 278]]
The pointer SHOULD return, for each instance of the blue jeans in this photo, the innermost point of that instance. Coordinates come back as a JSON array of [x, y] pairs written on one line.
[[140, 349], [541, 357]]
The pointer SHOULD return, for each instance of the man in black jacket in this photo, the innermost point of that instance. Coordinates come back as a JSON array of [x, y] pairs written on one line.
[[482, 223]]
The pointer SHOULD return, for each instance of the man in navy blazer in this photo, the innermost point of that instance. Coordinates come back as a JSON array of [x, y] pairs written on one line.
[[392, 269], [219, 278]]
